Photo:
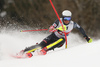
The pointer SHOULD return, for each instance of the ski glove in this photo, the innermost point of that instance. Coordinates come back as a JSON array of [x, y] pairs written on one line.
[[52, 29], [89, 40]]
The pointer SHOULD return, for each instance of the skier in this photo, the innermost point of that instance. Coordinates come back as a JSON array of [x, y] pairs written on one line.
[[57, 37]]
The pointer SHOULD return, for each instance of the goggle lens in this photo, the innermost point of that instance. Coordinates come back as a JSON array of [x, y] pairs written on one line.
[[67, 18]]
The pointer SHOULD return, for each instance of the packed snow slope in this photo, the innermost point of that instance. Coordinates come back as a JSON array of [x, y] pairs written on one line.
[[78, 54]]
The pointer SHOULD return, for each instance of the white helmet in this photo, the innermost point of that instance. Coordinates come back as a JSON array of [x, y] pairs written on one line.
[[66, 13]]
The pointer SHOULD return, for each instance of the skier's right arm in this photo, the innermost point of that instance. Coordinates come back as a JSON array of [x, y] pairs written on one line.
[[52, 28]]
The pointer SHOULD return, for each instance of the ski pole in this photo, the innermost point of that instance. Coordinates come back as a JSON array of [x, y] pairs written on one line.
[[33, 30]]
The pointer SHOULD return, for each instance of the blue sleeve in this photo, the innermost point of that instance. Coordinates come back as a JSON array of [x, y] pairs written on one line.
[[80, 29]]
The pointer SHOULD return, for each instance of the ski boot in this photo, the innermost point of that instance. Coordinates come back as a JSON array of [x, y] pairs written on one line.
[[43, 51], [29, 55]]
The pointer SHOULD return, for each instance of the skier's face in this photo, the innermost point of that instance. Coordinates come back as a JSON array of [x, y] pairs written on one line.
[[66, 21]]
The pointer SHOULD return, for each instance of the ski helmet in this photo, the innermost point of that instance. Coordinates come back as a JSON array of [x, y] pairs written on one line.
[[66, 13]]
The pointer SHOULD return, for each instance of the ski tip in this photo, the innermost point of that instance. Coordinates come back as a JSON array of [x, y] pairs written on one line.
[[14, 56], [19, 57]]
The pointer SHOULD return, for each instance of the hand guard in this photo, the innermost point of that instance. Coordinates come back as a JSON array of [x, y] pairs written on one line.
[[89, 40], [52, 29]]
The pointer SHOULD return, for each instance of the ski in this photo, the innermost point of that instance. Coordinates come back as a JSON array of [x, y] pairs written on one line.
[[18, 55]]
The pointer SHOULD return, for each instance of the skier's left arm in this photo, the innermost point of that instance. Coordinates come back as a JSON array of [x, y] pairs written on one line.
[[89, 40]]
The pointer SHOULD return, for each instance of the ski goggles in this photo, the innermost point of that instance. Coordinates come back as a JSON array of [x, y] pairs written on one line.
[[67, 18]]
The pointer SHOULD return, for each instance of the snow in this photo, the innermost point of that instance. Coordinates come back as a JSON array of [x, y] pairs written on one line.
[[78, 54]]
